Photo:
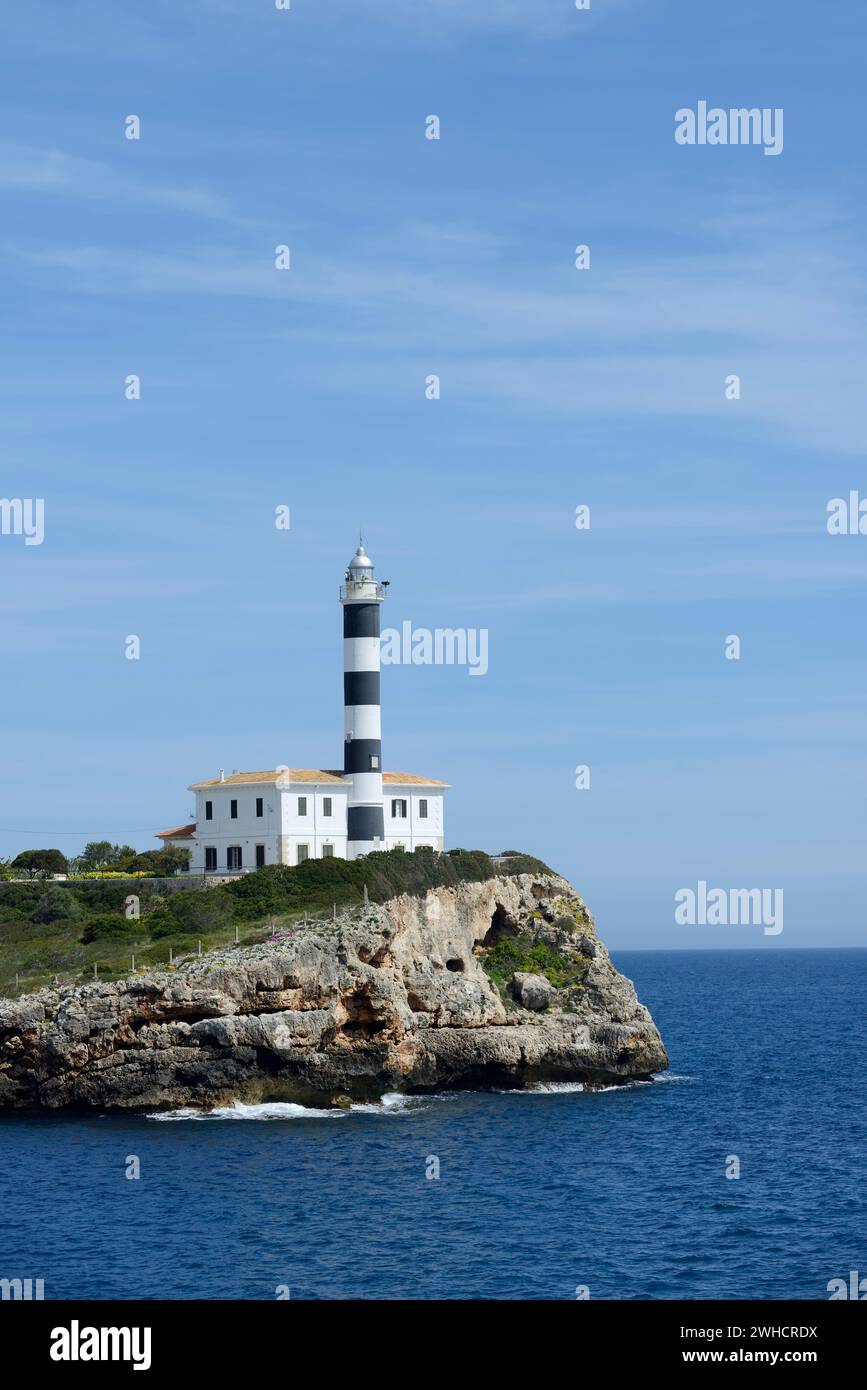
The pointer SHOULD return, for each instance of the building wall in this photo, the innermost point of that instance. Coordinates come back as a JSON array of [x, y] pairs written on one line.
[[413, 831], [282, 828], [314, 829], [248, 830]]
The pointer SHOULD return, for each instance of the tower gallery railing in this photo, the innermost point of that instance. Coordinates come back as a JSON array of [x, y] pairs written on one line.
[[369, 588]]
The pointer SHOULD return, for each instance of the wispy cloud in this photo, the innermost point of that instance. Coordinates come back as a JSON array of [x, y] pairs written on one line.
[[739, 578], [30, 169], [638, 334]]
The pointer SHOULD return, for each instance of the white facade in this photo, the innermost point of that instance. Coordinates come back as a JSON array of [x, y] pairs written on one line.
[[413, 815], [256, 818]]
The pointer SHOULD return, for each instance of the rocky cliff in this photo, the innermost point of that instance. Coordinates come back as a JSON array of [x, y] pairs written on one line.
[[493, 984]]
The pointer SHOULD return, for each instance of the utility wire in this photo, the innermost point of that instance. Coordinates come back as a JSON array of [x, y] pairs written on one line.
[[130, 830]]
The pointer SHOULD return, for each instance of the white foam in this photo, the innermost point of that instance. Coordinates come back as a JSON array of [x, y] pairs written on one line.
[[393, 1103], [270, 1110], [546, 1088]]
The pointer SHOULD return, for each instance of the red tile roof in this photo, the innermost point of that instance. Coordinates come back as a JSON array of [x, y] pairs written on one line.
[[296, 774], [181, 832]]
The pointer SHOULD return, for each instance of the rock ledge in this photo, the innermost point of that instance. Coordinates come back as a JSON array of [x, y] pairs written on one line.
[[409, 995]]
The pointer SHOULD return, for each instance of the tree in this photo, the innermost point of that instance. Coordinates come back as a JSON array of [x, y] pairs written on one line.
[[102, 854], [174, 858], [41, 863], [162, 863]]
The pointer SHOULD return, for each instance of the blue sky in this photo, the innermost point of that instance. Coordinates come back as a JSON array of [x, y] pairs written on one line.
[[559, 388]]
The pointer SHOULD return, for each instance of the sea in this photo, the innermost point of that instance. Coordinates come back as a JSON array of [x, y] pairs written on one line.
[[738, 1174]]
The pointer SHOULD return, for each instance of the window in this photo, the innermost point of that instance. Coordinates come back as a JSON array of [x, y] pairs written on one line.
[[302, 805], [234, 857], [260, 856], [260, 806], [398, 810], [233, 810], [209, 810], [327, 851], [374, 762], [422, 809], [210, 857], [326, 806], [303, 853]]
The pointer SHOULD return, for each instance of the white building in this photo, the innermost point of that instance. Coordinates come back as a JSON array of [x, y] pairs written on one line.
[[287, 815]]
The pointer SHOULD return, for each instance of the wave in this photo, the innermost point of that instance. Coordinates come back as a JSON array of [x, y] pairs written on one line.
[[544, 1088], [268, 1110], [390, 1104], [548, 1088]]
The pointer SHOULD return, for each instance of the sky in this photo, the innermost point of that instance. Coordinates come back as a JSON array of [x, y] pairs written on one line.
[[306, 388]]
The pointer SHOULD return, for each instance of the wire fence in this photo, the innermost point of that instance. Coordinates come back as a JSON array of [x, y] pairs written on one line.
[[269, 932]]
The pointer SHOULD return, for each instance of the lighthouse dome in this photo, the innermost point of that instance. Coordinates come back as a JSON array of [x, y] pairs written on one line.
[[361, 562]]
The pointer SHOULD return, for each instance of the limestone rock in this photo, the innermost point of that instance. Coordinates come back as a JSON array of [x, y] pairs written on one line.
[[390, 997], [533, 991]]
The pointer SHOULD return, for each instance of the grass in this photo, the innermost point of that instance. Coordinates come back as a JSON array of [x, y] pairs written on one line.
[[524, 953], [89, 925]]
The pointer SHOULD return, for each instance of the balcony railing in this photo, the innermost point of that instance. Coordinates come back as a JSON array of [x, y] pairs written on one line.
[[362, 589]]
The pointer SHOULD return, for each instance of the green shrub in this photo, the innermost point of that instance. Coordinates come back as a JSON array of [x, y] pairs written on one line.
[[393, 872], [162, 924], [386, 874], [521, 953], [197, 913], [107, 927], [523, 864], [19, 900], [56, 905]]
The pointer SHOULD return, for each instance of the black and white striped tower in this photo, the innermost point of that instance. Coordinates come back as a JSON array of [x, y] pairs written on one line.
[[361, 596]]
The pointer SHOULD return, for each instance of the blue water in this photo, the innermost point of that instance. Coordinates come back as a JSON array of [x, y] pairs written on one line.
[[623, 1191]]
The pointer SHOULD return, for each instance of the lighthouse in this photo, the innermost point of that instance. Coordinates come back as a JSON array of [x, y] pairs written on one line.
[[287, 814], [360, 595]]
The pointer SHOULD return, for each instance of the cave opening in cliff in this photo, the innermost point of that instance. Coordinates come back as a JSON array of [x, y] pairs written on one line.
[[501, 925], [363, 1017]]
